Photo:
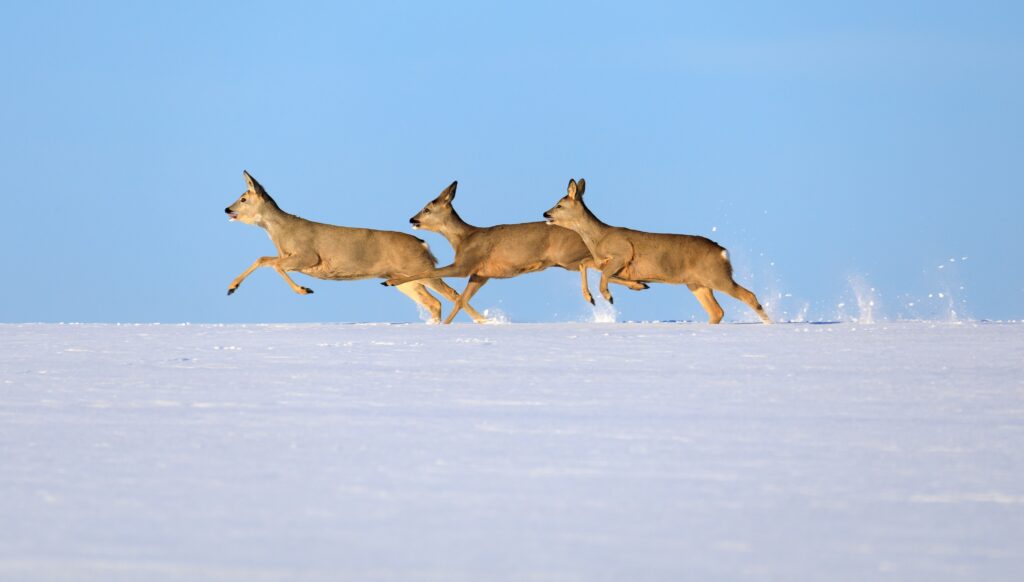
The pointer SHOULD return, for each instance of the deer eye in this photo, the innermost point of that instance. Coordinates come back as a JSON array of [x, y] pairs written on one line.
[[426, 211], [243, 199]]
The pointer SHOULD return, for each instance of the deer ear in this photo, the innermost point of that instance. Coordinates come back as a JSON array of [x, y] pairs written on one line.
[[254, 186], [448, 194], [581, 187], [573, 191]]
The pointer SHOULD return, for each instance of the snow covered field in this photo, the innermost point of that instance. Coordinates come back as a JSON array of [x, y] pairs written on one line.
[[512, 452]]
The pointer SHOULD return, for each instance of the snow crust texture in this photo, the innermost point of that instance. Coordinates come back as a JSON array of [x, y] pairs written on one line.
[[545, 452]]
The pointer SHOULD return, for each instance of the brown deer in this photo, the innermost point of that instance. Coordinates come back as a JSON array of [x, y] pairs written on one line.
[[499, 252], [337, 253], [699, 263]]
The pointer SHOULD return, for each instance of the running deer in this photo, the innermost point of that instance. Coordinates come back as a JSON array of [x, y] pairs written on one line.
[[699, 263], [338, 253], [499, 252]]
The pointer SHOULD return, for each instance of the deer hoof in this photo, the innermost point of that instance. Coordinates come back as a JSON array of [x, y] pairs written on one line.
[[307, 291], [231, 290], [591, 300], [611, 300]]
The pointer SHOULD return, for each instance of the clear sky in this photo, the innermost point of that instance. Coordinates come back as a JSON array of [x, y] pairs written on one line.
[[827, 145]]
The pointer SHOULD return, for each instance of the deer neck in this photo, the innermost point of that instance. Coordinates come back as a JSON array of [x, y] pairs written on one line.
[[590, 229], [456, 230], [276, 222]]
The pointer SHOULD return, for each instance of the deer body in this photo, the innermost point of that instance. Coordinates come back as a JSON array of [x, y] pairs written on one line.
[[499, 252], [336, 253], [697, 262], [659, 258], [537, 247], [343, 253]]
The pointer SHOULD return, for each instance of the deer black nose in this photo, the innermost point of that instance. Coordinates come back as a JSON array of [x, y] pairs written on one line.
[[413, 221], [547, 215], [228, 210]]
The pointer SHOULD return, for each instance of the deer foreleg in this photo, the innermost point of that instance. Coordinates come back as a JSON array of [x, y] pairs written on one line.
[[474, 285], [609, 267], [260, 262], [584, 265], [293, 263], [445, 290], [591, 264]]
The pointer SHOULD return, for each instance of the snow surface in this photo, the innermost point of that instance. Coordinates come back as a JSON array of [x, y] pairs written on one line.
[[512, 452]]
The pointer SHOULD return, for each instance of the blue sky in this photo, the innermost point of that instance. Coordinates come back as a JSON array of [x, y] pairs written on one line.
[[822, 143]]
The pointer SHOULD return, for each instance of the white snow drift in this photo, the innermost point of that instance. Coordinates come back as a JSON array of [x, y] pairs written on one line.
[[517, 452]]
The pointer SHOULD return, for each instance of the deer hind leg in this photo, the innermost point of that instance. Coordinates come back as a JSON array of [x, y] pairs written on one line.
[[708, 302], [744, 295], [634, 285], [452, 270], [418, 293], [474, 285], [448, 293]]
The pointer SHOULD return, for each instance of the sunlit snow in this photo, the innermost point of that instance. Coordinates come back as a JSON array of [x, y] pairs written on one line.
[[513, 452]]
